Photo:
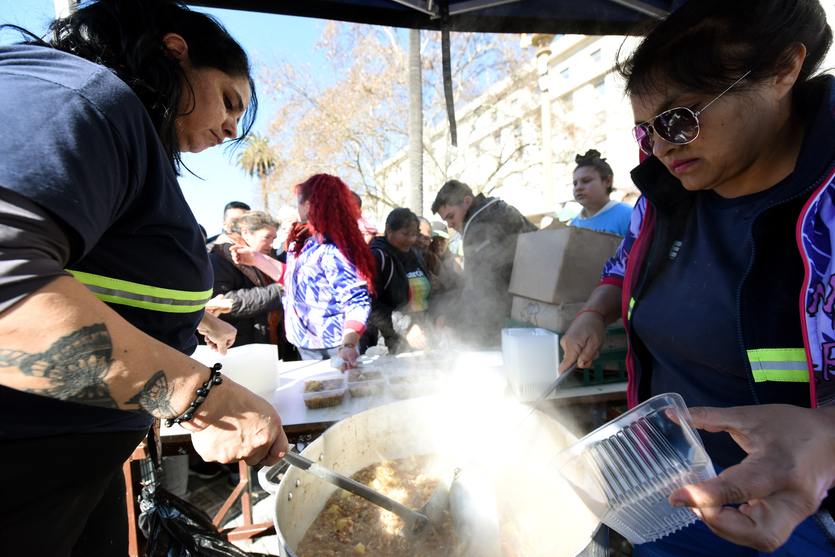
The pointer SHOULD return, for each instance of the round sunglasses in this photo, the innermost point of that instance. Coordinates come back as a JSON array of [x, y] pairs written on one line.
[[678, 126]]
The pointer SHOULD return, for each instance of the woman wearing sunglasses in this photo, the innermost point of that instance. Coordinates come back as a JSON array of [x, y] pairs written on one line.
[[726, 278]]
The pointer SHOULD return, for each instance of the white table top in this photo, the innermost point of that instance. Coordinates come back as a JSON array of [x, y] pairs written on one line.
[[480, 368]]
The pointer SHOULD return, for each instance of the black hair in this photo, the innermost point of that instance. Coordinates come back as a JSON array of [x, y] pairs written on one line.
[[236, 205], [593, 159], [706, 45], [451, 193], [127, 37], [358, 198], [401, 218]]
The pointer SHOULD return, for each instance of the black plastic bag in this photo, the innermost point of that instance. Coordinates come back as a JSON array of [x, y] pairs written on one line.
[[174, 527]]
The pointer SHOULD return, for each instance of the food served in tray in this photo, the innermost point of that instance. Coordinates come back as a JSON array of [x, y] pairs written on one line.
[[322, 392], [366, 382]]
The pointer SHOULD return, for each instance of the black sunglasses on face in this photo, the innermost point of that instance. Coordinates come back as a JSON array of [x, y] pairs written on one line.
[[678, 126]]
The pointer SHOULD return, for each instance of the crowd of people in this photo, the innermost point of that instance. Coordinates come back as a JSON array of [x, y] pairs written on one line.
[[109, 282], [345, 289]]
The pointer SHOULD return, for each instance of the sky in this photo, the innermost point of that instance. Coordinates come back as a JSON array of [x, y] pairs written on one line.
[[265, 37]]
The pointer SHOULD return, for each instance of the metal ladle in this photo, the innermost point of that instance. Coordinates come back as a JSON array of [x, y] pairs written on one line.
[[417, 522]]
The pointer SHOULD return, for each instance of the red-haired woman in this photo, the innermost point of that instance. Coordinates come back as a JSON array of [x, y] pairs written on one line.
[[329, 271]]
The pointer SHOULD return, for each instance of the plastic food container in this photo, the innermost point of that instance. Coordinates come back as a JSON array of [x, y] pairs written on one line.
[[413, 383], [626, 470], [324, 390], [365, 381], [531, 358]]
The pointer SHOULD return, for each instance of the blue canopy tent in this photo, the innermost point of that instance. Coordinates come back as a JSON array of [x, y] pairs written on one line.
[[587, 17]]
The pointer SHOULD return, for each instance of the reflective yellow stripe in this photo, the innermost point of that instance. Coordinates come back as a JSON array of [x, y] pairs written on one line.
[[631, 305], [779, 364], [116, 291]]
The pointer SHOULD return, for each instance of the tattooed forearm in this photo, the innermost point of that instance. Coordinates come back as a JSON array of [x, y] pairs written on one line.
[[155, 397], [73, 368]]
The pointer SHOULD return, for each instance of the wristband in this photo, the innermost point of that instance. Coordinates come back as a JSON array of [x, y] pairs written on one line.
[[345, 345], [592, 311], [202, 393]]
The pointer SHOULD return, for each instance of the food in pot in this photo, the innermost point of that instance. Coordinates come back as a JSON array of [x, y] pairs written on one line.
[[350, 525], [365, 382], [321, 393]]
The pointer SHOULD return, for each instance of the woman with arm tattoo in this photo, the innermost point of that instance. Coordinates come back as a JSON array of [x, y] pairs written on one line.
[[103, 270]]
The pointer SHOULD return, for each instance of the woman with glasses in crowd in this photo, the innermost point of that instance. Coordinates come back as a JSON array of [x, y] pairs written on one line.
[[104, 274], [725, 278]]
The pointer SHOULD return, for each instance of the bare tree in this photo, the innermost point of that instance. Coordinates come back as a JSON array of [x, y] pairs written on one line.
[[352, 119]]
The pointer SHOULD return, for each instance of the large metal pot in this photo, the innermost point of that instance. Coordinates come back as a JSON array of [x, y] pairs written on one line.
[[437, 425]]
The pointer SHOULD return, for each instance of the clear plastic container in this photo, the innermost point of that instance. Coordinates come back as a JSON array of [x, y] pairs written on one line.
[[626, 470], [365, 381], [531, 358], [324, 390], [414, 383]]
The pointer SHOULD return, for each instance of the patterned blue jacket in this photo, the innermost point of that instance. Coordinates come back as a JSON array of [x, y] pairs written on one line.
[[322, 295]]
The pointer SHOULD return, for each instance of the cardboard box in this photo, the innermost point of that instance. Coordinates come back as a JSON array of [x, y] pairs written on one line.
[[562, 265], [557, 318]]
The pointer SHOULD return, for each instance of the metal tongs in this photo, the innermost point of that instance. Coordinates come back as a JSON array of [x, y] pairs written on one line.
[[417, 522]]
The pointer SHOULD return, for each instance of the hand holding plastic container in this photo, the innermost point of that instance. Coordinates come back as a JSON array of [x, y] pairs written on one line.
[[626, 470]]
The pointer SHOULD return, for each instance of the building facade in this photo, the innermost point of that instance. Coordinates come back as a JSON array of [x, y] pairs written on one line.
[[500, 134]]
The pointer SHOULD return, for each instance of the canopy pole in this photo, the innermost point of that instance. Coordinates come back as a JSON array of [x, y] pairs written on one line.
[[447, 70]]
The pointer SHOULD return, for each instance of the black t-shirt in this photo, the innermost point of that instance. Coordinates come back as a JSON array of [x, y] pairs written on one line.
[[87, 187], [687, 317]]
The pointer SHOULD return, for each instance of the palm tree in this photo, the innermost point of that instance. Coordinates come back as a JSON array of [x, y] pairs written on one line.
[[258, 159]]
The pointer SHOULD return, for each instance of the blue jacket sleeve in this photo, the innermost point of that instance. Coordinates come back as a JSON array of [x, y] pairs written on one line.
[[615, 269]]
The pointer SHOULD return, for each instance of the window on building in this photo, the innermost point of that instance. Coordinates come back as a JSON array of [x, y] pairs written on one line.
[[596, 56], [564, 73], [600, 117], [600, 88]]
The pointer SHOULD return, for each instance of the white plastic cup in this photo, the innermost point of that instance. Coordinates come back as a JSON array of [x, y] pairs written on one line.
[[531, 358], [255, 366], [626, 470]]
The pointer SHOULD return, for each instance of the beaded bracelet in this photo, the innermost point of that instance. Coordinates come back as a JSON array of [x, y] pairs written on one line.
[[202, 393]]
